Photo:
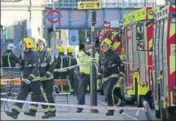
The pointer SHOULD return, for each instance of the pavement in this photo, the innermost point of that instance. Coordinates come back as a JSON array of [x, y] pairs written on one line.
[[65, 113]]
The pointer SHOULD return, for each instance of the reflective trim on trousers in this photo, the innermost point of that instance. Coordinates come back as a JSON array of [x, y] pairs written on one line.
[[16, 108]]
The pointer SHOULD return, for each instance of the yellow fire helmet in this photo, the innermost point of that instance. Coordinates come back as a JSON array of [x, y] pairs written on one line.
[[60, 48], [107, 41], [29, 43], [69, 49]]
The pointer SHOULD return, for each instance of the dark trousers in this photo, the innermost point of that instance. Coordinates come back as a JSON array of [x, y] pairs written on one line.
[[71, 78], [35, 88], [117, 95], [82, 88], [48, 92], [109, 91]]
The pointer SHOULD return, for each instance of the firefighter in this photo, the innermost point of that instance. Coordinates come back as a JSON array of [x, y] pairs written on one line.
[[60, 71], [71, 62], [30, 79], [9, 59], [84, 61], [46, 70], [110, 65]]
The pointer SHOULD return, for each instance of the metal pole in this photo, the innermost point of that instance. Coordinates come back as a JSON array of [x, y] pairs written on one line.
[[93, 81], [85, 33], [54, 32], [29, 22]]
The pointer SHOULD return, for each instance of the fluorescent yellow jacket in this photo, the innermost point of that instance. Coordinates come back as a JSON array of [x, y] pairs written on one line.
[[84, 62]]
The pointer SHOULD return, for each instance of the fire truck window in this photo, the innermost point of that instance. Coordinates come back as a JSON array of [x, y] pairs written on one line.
[[139, 31]]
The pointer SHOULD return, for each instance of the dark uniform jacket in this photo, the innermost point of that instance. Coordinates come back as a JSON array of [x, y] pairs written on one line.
[[29, 65], [46, 63], [71, 60], [109, 63], [61, 61], [9, 59]]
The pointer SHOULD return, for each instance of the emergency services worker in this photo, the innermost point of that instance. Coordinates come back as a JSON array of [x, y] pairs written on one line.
[[71, 62], [46, 70], [60, 71], [9, 59], [84, 61], [30, 79], [110, 66]]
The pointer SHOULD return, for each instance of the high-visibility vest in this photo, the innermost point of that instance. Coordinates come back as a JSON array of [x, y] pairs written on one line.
[[84, 62]]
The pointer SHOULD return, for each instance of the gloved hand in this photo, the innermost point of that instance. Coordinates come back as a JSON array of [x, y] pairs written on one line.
[[27, 81], [99, 76], [121, 79], [121, 74], [47, 75]]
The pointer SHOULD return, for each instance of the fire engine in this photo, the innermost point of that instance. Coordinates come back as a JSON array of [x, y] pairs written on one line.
[[164, 66], [137, 33]]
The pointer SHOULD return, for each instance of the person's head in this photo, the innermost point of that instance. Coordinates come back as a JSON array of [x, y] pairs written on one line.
[[11, 46], [60, 49], [27, 43], [41, 44], [87, 44], [106, 45], [70, 50]]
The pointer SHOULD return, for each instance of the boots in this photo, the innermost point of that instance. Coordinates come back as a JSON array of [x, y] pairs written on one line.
[[110, 113], [30, 113], [12, 114], [48, 115], [53, 114], [79, 110]]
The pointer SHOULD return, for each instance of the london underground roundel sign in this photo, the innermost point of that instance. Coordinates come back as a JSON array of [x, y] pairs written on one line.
[[53, 16]]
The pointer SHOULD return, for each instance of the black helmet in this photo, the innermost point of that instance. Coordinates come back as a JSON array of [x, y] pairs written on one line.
[[87, 41]]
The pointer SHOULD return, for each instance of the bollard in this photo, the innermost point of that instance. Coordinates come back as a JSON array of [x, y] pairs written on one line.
[[147, 110]]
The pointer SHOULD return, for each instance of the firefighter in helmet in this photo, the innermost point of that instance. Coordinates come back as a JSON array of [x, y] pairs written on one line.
[[46, 70], [60, 68], [71, 62], [9, 59], [84, 61], [30, 81], [110, 66]]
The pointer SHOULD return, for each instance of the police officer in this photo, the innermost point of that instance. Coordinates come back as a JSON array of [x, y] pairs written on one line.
[[30, 79], [84, 61], [110, 65], [9, 59], [46, 70], [71, 62]]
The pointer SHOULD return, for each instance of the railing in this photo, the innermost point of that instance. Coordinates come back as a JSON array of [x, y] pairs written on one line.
[[108, 4]]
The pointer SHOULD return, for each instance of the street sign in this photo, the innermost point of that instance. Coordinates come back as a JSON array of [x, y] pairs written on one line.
[[53, 16], [89, 4], [73, 37]]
